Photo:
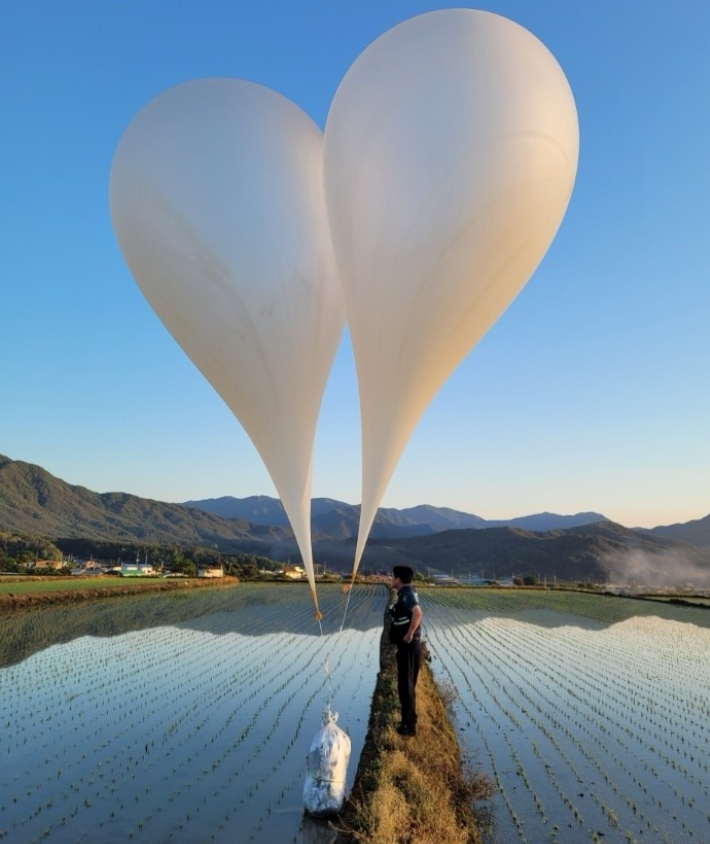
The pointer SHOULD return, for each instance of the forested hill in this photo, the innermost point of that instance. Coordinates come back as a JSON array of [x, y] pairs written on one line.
[[599, 552], [34, 501], [696, 532], [336, 519]]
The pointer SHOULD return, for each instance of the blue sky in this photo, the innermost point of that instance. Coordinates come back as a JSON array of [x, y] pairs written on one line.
[[590, 392]]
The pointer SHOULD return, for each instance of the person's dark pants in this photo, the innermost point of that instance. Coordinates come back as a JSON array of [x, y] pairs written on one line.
[[409, 658]]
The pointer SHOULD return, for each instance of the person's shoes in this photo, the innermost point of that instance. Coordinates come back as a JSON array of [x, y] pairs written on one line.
[[406, 729]]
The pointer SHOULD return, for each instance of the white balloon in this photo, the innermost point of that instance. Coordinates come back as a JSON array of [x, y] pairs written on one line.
[[450, 154], [216, 196]]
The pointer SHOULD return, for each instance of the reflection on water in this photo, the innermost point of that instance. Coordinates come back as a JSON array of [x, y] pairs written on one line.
[[246, 606], [591, 725], [313, 831], [189, 732], [485, 821]]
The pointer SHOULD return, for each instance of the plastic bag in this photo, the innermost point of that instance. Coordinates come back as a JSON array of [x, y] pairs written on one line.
[[326, 768]]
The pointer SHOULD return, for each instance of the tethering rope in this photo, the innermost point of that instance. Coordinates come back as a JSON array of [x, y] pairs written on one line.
[[326, 661]]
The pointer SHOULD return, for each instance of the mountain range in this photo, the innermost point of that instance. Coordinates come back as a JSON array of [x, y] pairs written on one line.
[[582, 546], [336, 520], [34, 501], [598, 552]]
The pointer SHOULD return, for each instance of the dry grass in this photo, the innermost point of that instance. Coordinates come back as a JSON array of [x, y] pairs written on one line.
[[411, 789], [26, 596]]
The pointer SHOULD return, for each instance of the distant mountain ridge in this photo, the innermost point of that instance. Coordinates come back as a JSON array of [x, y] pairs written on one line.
[[697, 532], [599, 552], [34, 501], [580, 547], [338, 519]]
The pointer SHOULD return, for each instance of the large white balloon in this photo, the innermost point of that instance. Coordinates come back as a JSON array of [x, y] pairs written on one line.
[[216, 196], [450, 153]]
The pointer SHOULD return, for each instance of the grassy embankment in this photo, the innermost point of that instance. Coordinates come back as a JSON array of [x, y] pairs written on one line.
[[30, 592], [412, 789]]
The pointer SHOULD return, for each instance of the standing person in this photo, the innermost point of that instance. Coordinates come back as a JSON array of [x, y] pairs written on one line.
[[406, 632]]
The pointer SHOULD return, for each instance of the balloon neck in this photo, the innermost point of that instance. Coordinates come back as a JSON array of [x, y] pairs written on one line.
[[317, 615]]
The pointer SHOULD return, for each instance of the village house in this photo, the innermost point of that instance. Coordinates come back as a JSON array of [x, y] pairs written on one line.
[[215, 570], [55, 565], [294, 572], [136, 569]]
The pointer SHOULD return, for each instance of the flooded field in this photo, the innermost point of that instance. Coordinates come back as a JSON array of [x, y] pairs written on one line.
[[592, 714], [186, 717], [182, 718]]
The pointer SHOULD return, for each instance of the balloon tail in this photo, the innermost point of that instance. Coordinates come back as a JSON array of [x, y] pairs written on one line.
[[317, 614], [348, 589]]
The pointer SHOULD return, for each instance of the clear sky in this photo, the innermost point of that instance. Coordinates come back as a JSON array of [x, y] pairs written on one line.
[[591, 391]]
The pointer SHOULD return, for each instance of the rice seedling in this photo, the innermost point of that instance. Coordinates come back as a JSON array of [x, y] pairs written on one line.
[[588, 711], [193, 726]]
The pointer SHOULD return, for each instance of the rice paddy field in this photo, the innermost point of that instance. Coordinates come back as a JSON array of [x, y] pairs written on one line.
[[177, 718], [591, 713], [186, 717]]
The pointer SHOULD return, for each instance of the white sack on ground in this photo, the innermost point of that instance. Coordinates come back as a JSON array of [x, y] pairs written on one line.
[[326, 768]]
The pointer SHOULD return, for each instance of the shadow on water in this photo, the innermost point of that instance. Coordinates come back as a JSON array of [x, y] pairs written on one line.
[[219, 611], [242, 609], [485, 821], [552, 608], [313, 831]]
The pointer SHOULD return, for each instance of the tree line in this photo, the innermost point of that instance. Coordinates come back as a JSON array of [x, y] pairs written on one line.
[[24, 553]]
